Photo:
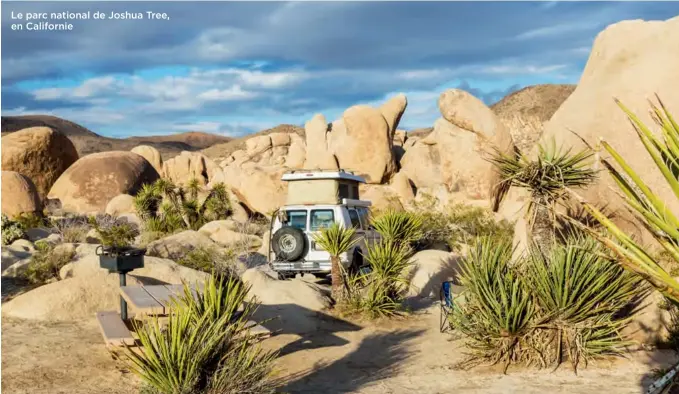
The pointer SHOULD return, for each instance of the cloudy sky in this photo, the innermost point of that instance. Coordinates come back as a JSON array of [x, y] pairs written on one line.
[[238, 67]]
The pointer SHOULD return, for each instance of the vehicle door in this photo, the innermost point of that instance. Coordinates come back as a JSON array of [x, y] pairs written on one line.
[[356, 223], [319, 218]]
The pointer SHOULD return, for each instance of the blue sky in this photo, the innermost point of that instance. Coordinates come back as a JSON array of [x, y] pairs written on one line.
[[238, 67]]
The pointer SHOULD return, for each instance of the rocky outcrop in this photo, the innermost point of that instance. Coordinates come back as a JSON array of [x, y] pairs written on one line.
[[178, 245], [230, 233], [19, 195], [189, 165], [151, 155], [362, 142], [91, 182], [318, 152], [121, 204], [258, 188], [455, 153], [38, 153], [631, 61]]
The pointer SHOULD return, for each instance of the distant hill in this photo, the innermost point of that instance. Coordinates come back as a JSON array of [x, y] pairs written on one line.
[[87, 142], [526, 111]]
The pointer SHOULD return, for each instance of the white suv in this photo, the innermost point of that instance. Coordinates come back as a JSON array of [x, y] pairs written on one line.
[[316, 200]]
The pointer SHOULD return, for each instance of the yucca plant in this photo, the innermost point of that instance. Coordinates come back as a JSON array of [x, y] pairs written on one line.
[[386, 283], [336, 240], [165, 207], [649, 208], [581, 293], [203, 348], [497, 315], [546, 178], [399, 226]]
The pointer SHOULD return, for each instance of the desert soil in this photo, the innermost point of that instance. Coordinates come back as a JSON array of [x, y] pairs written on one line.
[[402, 356]]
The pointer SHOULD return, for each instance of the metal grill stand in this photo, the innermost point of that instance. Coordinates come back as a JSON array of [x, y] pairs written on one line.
[[122, 261]]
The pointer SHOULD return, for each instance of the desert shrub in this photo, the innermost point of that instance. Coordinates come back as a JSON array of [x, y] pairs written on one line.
[[166, 208], [73, 229], [29, 220], [383, 289], [498, 313], [213, 260], [459, 225], [205, 347], [11, 231], [337, 240], [114, 232], [570, 304], [399, 226], [582, 293], [46, 263]]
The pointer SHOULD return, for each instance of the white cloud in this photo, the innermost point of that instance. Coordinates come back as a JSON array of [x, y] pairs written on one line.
[[232, 93], [205, 126], [522, 69], [559, 29]]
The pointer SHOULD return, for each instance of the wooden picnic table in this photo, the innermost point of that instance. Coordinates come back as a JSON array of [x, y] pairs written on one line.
[[149, 300], [154, 299]]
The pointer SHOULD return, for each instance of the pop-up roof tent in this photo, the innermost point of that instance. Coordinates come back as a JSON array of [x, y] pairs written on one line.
[[321, 186]]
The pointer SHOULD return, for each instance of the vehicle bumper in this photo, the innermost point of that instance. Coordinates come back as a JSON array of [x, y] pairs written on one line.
[[304, 266]]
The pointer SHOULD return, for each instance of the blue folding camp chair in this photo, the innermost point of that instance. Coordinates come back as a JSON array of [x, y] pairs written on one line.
[[446, 299]]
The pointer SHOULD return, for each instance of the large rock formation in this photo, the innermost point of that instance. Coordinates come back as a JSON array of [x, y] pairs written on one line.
[[631, 61], [151, 154], [362, 142], [189, 165], [38, 153], [90, 183], [257, 187], [19, 195], [455, 153], [526, 111], [318, 152]]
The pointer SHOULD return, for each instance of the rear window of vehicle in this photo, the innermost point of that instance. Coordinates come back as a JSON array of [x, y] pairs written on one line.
[[296, 219], [321, 218]]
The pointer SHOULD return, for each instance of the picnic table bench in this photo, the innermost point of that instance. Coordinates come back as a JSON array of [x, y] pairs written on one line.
[[153, 300]]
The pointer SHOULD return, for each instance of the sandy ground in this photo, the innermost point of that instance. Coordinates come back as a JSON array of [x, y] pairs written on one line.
[[404, 356]]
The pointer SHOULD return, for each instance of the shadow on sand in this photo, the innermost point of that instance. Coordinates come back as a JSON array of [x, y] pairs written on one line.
[[377, 357]]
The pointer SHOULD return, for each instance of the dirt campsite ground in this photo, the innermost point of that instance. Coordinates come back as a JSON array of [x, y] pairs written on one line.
[[403, 356]]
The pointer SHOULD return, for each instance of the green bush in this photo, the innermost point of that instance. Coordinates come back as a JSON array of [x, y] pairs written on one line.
[[31, 220], [498, 313], [399, 226], [210, 260], [386, 284], [46, 263], [460, 225], [166, 208], [11, 231], [569, 305], [204, 348], [113, 232]]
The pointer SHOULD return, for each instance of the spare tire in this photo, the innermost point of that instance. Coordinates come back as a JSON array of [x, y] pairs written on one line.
[[289, 243]]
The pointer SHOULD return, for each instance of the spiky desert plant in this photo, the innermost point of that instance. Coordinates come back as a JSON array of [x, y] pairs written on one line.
[[165, 207], [648, 207], [496, 317], [546, 179], [581, 295], [204, 347], [114, 232], [336, 240], [399, 226], [386, 283]]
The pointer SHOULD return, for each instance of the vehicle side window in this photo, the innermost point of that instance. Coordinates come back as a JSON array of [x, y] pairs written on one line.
[[321, 218], [364, 215], [296, 219], [355, 220]]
